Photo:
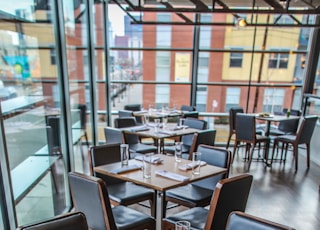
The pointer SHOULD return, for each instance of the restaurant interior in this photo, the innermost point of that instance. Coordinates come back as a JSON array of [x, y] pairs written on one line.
[[143, 114]]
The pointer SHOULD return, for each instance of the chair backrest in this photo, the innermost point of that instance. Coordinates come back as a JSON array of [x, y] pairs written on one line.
[[67, 221], [206, 137], [125, 113], [289, 126], [90, 196], [83, 115], [232, 117], [246, 127], [230, 194], [241, 221], [195, 123], [306, 129], [104, 154], [215, 156], [124, 122], [187, 108], [133, 107], [113, 135]]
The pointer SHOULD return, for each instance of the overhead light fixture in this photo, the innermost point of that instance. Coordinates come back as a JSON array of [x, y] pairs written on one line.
[[241, 22]]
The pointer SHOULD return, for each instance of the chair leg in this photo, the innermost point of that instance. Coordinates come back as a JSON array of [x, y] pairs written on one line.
[[229, 139], [275, 144], [308, 155], [295, 154], [234, 150], [250, 155]]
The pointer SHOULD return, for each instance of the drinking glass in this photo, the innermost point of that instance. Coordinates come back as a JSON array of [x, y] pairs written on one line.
[[178, 151], [164, 121], [196, 160], [150, 109], [124, 150], [146, 119], [147, 166], [157, 125], [182, 225], [181, 122]]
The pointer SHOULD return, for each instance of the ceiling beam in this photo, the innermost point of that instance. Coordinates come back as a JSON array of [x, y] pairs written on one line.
[[230, 11]]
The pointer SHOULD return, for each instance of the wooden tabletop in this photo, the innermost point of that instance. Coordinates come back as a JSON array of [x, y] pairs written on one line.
[[157, 182], [166, 132]]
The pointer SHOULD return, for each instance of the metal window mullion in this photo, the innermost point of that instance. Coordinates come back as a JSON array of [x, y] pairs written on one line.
[[63, 84], [92, 75], [195, 60], [107, 63]]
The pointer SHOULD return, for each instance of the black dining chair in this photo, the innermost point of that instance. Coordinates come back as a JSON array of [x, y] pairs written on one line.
[[113, 135], [242, 221], [230, 194], [246, 132], [66, 221], [91, 196], [133, 140], [303, 136], [187, 108], [232, 122], [120, 192], [199, 193], [134, 107]]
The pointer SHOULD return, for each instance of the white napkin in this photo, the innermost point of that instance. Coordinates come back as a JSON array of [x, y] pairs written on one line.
[[171, 175], [139, 128], [192, 165], [124, 169], [152, 159]]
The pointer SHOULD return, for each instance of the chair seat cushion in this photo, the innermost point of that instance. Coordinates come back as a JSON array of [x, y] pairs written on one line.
[[127, 218], [171, 149], [196, 216], [142, 148], [126, 192], [194, 195], [287, 138], [262, 138]]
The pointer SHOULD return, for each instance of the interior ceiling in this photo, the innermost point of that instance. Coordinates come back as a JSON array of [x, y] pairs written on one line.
[[234, 7]]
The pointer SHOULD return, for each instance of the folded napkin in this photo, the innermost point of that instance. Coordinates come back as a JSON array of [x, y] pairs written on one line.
[[177, 128], [152, 159], [125, 169], [154, 125], [192, 165], [139, 129], [168, 132], [171, 175]]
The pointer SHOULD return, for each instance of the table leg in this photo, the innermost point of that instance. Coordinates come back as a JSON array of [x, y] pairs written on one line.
[[159, 206]]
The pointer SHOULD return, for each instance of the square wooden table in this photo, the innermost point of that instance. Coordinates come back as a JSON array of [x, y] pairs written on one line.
[[159, 183], [166, 132]]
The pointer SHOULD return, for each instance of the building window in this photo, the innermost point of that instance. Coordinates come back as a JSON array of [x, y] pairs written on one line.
[[203, 67], [202, 92], [205, 31], [232, 97], [236, 58], [273, 100], [163, 39], [278, 60], [162, 95], [162, 66]]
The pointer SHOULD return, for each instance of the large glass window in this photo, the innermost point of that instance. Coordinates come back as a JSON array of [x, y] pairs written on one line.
[[273, 100]]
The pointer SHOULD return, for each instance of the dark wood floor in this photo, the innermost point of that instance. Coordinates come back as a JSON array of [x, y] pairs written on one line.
[[278, 193]]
